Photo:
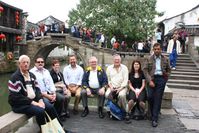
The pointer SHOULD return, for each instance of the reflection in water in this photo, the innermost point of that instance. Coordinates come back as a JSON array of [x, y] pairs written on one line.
[[4, 106]]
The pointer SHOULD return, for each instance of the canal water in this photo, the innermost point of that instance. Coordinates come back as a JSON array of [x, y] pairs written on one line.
[[4, 106]]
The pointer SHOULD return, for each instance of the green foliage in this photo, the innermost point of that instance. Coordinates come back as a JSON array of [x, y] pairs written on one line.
[[197, 49], [134, 18]]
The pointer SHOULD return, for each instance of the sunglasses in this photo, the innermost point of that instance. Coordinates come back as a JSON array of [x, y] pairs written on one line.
[[40, 61]]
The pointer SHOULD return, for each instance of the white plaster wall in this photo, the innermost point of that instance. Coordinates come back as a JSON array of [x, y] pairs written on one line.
[[196, 41], [190, 18]]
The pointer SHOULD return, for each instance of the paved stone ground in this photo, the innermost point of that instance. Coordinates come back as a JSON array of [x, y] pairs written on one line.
[[93, 124], [183, 118], [186, 105]]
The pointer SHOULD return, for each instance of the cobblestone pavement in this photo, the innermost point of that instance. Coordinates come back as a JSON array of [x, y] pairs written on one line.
[[186, 105], [93, 124]]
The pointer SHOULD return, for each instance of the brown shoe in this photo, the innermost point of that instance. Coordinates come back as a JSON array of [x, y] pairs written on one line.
[[75, 112]]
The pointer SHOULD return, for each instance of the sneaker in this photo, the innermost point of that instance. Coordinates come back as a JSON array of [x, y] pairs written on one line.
[[173, 68]]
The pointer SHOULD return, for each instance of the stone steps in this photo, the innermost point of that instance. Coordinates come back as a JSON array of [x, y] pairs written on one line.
[[186, 75], [185, 72], [183, 58], [185, 64], [185, 61], [183, 86], [186, 67], [181, 76], [181, 81]]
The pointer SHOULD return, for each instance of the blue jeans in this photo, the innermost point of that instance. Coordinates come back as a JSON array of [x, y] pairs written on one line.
[[38, 112], [173, 57], [155, 96]]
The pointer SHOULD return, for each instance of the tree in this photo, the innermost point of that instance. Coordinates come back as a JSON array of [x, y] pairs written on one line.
[[131, 18]]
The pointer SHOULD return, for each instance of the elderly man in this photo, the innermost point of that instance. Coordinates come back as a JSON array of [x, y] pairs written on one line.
[[73, 74], [46, 85], [25, 96], [117, 74], [94, 83], [156, 70]]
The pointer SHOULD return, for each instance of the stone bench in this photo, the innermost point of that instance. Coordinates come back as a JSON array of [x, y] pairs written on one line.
[[11, 121], [167, 98], [166, 101]]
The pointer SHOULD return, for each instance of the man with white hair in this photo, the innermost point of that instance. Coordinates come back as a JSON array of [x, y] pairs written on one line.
[[117, 74], [94, 82], [25, 96]]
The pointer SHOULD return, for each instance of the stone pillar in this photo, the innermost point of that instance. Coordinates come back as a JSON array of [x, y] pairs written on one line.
[[24, 27]]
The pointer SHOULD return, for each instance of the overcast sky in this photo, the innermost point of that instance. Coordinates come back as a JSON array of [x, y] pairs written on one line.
[[40, 9]]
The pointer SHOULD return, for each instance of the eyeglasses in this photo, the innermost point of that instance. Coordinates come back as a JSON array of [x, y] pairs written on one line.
[[40, 61]]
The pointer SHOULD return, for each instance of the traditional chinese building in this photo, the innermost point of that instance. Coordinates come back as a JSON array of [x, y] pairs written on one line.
[[11, 33], [189, 20], [10, 27]]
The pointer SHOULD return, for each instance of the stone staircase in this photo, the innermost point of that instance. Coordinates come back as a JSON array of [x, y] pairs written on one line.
[[186, 75]]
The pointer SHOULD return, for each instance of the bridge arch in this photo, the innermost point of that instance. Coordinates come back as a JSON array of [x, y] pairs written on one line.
[[44, 46]]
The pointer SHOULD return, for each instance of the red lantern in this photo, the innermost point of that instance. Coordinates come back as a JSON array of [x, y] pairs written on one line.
[[1, 10], [2, 37], [17, 17], [16, 13], [18, 38]]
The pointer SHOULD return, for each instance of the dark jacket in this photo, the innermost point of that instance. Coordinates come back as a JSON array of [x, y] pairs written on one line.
[[149, 67], [17, 90], [101, 74], [55, 78]]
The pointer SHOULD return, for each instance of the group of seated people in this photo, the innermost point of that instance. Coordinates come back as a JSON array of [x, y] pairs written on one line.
[[37, 90]]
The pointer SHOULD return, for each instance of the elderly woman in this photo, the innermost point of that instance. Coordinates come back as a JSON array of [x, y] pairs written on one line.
[[24, 95]]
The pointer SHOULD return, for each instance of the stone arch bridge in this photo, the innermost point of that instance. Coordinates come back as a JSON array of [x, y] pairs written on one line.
[[46, 44]]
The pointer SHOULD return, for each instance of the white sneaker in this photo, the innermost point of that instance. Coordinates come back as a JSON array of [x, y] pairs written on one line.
[[173, 68]]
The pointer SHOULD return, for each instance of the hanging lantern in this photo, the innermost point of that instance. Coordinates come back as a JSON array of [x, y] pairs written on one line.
[[17, 17], [1, 10], [2, 37], [18, 38]]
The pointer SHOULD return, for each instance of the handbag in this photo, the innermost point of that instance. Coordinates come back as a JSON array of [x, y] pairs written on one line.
[[53, 126]]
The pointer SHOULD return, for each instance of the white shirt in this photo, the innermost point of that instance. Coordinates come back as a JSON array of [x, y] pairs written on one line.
[[158, 35], [73, 75], [117, 78], [93, 80], [113, 40], [140, 45], [44, 80], [102, 39], [158, 70]]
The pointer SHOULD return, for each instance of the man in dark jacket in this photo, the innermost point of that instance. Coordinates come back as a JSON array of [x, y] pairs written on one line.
[[156, 71], [94, 82], [25, 96]]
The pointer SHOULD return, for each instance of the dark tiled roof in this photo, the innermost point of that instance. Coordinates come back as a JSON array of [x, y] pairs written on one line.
[[55, 20], [192, 30], [10, 6]]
